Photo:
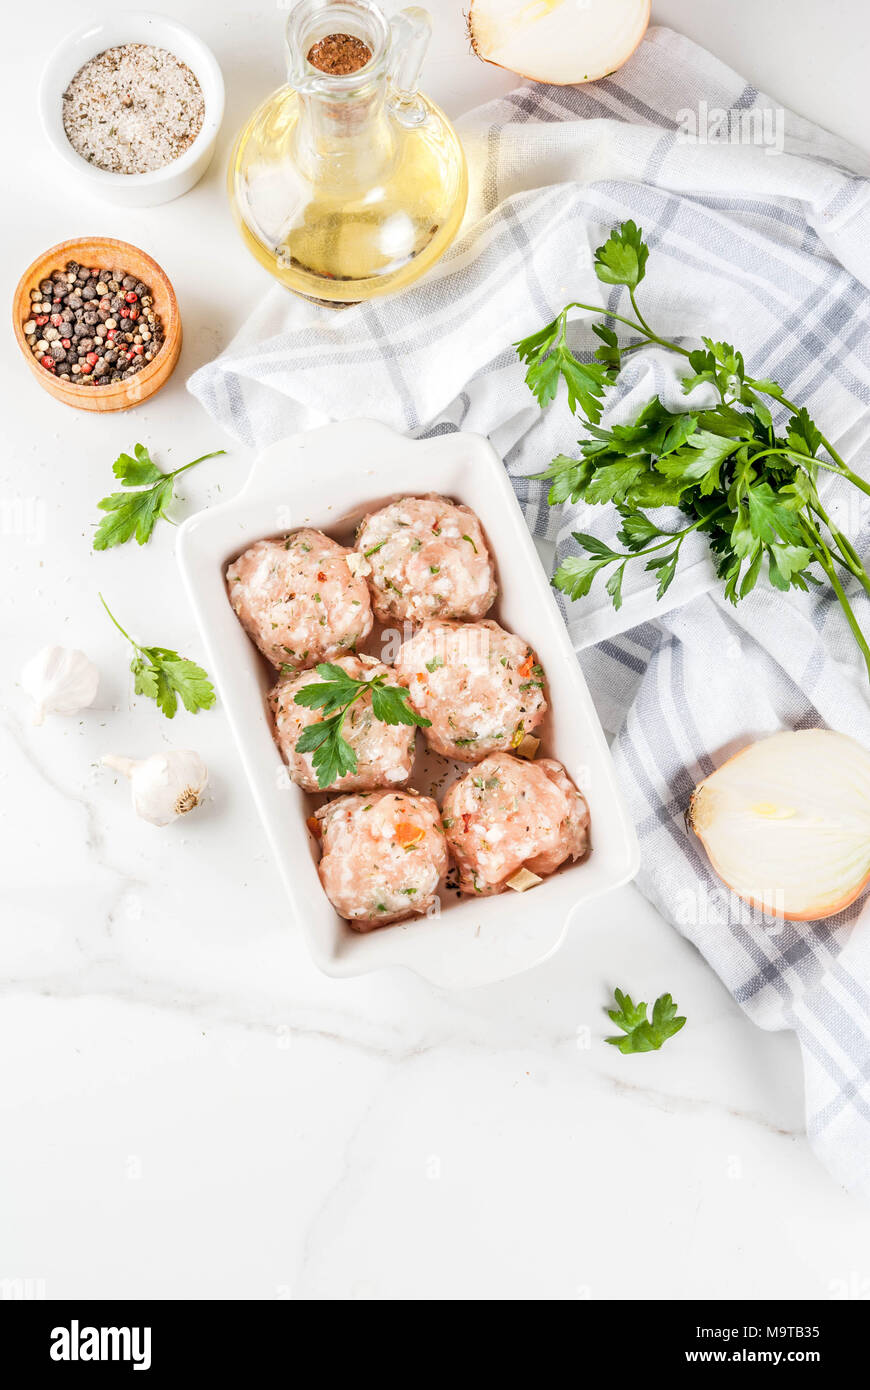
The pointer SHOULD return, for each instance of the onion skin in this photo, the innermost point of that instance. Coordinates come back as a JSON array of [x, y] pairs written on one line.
[[699, 817], [551, 81]]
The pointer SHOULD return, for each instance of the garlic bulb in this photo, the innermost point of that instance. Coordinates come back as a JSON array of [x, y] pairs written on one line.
[[164, 786], [60, 680], [786, 823], [560, 41]]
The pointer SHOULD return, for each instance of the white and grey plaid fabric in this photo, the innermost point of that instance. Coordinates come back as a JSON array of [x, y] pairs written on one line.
[[759, 235]]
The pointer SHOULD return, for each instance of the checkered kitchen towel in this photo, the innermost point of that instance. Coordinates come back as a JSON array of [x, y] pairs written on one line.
[[759, 229]]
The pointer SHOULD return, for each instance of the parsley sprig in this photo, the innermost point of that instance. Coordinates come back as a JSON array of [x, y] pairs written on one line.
[[749, 487], [136, 513], [334, 694], [163, 676], [643, 1034]]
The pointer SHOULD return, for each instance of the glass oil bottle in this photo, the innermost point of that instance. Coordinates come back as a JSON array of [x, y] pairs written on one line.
[[347, 185]]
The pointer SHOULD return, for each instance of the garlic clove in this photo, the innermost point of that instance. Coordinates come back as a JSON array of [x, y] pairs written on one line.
[[786, 823], [357, 564], [60, 680], [164, 786], [528, 747], [522, 880]]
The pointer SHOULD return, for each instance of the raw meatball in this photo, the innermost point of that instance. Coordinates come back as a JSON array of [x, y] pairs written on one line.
[[481, 687], [298, 600], [384, 855], [429, 559], [509, 814], [384, 752]]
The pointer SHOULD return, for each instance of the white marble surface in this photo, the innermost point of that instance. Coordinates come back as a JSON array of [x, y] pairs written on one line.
[[188, 1108]]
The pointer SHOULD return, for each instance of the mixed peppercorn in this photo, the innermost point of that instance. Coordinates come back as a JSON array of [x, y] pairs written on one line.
[[93, 327]]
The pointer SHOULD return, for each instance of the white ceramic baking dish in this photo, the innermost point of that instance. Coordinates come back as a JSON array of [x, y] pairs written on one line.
[[329, 478]]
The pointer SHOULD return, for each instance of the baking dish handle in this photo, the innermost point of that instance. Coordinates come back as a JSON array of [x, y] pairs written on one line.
[[304, 452]]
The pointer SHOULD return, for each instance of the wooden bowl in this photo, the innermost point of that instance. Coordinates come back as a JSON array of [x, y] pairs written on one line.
[[103, 251]]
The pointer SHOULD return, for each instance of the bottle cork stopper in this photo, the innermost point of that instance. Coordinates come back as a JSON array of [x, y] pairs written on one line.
[[339, 54]]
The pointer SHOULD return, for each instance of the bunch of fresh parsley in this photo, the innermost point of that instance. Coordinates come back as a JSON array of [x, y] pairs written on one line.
[[163, 676], [749, 489], [334, 694]]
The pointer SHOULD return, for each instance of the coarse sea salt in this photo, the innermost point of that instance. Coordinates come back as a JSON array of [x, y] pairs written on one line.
[[132, 109]]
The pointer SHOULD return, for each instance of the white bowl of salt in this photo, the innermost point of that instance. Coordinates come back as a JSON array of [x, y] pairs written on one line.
[[132, 105]]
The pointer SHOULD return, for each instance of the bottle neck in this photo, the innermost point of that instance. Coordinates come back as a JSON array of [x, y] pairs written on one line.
[[347, 141]]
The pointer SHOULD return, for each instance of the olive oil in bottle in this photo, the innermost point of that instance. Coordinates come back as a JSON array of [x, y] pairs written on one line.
[[348, 183]]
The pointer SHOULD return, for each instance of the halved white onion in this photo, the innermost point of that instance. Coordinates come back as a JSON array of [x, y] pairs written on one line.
[[559, 41], [786, 823]]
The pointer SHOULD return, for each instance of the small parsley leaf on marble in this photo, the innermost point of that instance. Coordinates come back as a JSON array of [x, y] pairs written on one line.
[[165, 677], [136, 513], [642, 1033]]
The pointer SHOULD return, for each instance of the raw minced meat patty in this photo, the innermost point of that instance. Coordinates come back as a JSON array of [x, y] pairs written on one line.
[[481, 687], [384, 752], [509, 814], [384, 854], [298, 600], [429, 559]]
